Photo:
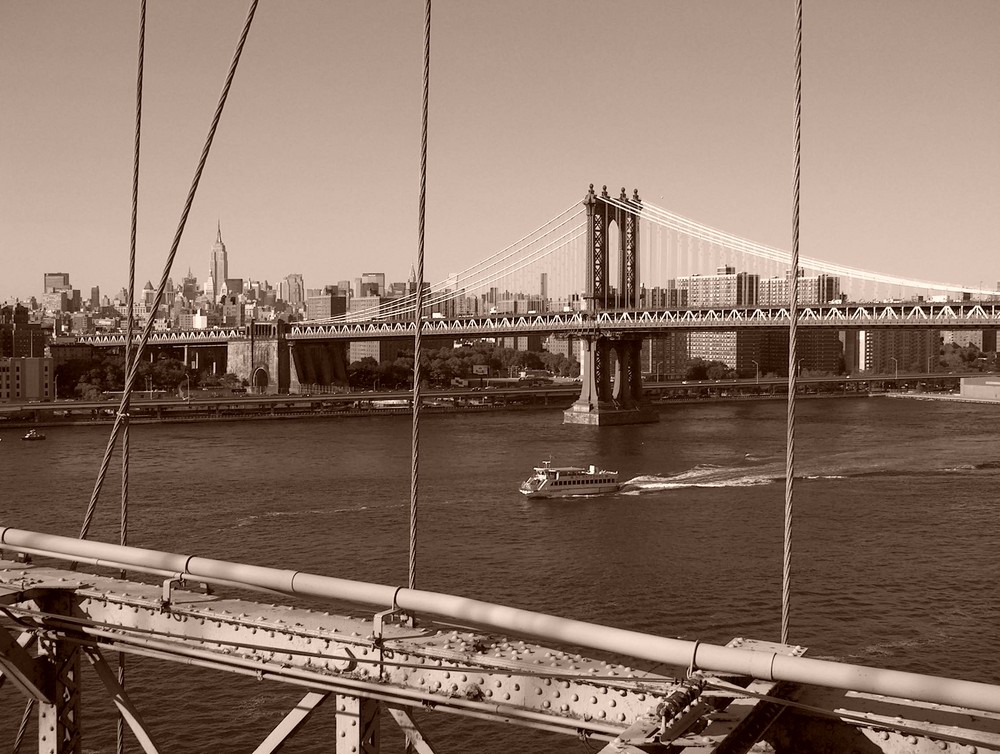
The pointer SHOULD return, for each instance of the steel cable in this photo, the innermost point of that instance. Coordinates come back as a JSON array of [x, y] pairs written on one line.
[[127, 397], [23, 727], [161, 288], [793, 315], [418, 322]]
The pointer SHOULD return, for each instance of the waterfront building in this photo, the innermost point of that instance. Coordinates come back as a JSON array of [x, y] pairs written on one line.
[[886, 351], [567, 346], [818, 352], [965, 338], [713, 346], [665, 356], [26, 379]]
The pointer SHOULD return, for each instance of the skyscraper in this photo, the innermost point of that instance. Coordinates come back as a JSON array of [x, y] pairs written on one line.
[[55, 281], [218, 268], [294, 289]]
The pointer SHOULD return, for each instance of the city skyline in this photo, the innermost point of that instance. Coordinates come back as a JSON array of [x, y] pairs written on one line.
[[316, 160]]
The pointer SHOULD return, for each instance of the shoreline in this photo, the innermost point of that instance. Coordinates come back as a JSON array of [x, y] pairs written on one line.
[[657, 405], [943, 397]]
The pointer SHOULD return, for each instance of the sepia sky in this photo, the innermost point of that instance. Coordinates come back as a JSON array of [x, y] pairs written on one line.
[[315, 165]]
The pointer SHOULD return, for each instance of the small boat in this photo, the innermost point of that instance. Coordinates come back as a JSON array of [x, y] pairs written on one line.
[[569, 481], [33, 434]]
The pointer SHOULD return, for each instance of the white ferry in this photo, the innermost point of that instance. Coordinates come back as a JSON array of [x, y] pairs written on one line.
[[566, 481]]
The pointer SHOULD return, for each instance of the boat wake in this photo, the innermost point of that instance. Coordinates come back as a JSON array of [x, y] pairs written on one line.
[[703, 475]]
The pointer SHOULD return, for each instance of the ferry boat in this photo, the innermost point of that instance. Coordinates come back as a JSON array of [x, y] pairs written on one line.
[[567, 481]]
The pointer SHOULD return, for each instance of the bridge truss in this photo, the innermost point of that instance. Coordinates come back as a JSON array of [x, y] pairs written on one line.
[[480, 660]]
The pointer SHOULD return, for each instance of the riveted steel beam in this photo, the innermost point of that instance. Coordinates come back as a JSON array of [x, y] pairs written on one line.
[[358, 729], [291, 722], [416, 741], [29, 674], [128, 711]]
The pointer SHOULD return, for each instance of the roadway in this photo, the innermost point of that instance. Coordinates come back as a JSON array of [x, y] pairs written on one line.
[[386, 401]]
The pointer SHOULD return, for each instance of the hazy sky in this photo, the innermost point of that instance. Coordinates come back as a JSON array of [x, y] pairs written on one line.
[[315, 166]]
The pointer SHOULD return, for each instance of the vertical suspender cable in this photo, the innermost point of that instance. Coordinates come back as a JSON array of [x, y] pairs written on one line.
[[161, 288], [418, 311], [793, 315], [123, 539]]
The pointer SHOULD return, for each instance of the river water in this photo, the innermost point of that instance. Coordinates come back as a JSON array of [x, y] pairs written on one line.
[[896, 538]]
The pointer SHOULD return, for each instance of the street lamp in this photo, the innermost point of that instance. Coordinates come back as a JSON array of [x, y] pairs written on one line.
[[896, 365], [658, 365], [757, 367]]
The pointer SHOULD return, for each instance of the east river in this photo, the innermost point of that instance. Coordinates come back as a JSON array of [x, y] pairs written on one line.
[[896, 540]]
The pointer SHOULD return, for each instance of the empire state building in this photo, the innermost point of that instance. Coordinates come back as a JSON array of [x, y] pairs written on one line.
[[218, 269]]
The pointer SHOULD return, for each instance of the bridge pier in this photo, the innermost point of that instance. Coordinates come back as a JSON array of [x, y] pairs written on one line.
[[319, 363], [604, 401]]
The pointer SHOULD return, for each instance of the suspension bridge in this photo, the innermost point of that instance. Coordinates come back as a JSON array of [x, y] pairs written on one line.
[[609, 274]]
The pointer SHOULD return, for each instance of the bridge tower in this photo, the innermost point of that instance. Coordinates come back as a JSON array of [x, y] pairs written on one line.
[[610, 367]]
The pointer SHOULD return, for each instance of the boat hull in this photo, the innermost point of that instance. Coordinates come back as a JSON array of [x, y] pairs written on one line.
[[597, 489]]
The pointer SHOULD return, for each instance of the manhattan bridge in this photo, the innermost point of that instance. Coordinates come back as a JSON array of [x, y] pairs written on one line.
[[626, 286]]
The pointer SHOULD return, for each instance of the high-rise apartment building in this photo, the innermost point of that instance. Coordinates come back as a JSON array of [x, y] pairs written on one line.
[[725, 288], [819, 289]]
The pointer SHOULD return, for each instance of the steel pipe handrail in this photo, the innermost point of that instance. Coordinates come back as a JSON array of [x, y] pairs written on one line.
[[708, 657]]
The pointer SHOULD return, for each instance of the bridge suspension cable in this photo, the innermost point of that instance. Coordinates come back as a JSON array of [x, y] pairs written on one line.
[[664, 218], [553, 237]]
